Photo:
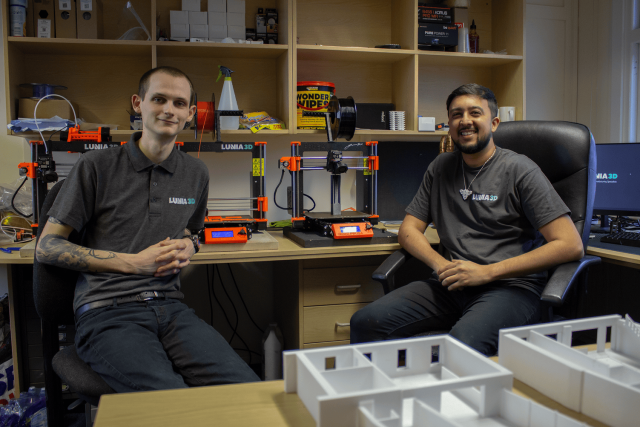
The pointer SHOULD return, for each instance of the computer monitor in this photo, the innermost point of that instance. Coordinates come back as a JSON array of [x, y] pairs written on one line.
[[618, 179]]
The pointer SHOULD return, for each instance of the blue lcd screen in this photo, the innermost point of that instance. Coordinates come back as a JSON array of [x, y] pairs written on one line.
[[221, 234], [350, 229]]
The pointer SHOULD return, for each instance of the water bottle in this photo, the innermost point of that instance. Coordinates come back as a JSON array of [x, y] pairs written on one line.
[[272, 347]]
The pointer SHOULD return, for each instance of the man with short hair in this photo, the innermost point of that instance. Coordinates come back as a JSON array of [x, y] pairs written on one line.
[[494, 210], [139, 208]]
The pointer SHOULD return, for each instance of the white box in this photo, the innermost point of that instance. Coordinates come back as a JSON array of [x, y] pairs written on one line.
[[235, 6], [426, 124], [217, 18], [217, 32], [236, 31], [191, 5], [179, 31], [199, 31], [198, 18], [235, 19], [179, 17], [219, 6]]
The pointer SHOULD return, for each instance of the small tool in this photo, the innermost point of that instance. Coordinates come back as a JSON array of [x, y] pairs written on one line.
[[9, 250]]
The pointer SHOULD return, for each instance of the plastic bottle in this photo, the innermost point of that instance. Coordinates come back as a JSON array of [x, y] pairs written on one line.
[[272, 347], [474, 38], [227, 101], [18, 12]]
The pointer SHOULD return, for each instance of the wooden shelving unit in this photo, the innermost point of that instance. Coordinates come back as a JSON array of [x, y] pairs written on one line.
[[328, 40]]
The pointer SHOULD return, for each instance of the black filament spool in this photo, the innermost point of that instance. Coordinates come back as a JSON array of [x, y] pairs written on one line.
[[343, 117]]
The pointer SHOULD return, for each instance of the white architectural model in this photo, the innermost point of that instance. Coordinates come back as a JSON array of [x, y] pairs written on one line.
[[603, 384], [434, 381]]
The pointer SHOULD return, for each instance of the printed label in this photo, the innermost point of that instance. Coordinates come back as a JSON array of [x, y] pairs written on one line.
[[64, 5], [44, 28], [258, 167], [86, 5], [365, 163]]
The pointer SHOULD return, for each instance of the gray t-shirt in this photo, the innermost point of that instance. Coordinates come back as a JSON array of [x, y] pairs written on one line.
[[123, 202], [511, 200]]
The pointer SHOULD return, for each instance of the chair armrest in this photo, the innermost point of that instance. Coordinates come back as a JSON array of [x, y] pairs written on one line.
[[385, 273], [563, 277]]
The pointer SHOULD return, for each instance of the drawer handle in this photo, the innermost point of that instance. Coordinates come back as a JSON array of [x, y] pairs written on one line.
[[343, 324], [348, 287]]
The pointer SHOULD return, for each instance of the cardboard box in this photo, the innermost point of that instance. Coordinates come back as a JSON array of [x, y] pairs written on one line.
[[236, 19], [250, 34], [217, 18], [236, 31], [272, 38], [373, 115], [199, 31], [272, 20], [261, 22], [179, 17], [434, 14], [438, 35], [426, 124], [191, 5], [65, 19], [218, 6], [30, 24], [217, 32], [235, 6], [47, 108], [89, 19], [179, 31], [43, 10], [198, 18]]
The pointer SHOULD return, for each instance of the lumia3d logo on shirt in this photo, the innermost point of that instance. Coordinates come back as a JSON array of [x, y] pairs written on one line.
[[607, 176], [181, 201], [484, 197]]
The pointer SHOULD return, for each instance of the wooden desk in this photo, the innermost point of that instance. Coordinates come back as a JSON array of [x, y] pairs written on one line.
[[257, 404]]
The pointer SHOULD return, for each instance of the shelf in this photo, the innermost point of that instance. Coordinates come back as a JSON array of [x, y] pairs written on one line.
[[33, 45], [465, 59], [351, 54], [383, 133], [220, 50]]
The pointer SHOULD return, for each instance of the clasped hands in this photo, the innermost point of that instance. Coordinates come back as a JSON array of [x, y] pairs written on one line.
[[458, 274], [165, 258]]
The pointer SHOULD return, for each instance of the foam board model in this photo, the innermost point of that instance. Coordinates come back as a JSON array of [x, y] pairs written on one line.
[[434, 381], [603, 384]]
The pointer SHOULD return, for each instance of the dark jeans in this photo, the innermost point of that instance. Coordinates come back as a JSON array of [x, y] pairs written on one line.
[[156, 345], [473, 315]]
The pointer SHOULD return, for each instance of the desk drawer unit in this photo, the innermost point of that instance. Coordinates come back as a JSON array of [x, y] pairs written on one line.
[[315, 302]]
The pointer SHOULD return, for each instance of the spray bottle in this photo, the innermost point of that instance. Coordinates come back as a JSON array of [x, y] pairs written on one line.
[[227, 101]]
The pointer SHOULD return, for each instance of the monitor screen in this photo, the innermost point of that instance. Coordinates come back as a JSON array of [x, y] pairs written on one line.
[[618, 179]]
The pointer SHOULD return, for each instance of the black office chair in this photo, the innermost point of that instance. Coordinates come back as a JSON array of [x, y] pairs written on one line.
[[566, 154], [53, 290]]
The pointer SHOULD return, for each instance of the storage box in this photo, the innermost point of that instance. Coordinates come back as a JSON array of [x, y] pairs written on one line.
[[179, 17], [373, 115], [65, 19], [179, 31], [272, 20], [434, 14], [438, 35], [236, 19], [426, 124], [47, 108], [198, 18], [236, 31], [217, 32], [217, 18], [43, 18], [250, 34], [199, 31], [235, 6], [89, 19], [30, 23], [191, 5], [219, 6]]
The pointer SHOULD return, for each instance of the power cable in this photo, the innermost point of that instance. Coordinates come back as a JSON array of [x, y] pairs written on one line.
[[242, 299]]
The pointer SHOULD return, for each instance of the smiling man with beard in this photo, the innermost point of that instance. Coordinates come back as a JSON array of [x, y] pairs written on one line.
[[502, 225]]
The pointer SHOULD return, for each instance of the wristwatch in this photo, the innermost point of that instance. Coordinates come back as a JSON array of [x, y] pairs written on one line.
[[194, 239]]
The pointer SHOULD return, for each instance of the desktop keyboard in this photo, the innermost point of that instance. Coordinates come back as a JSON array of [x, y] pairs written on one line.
[[622, 238]]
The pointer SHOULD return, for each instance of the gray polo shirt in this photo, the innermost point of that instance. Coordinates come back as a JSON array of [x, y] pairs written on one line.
[[123, 202], [511, 200]]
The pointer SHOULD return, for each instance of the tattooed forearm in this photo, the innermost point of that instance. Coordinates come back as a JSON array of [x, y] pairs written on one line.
[[187, 232], [55, 250]]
